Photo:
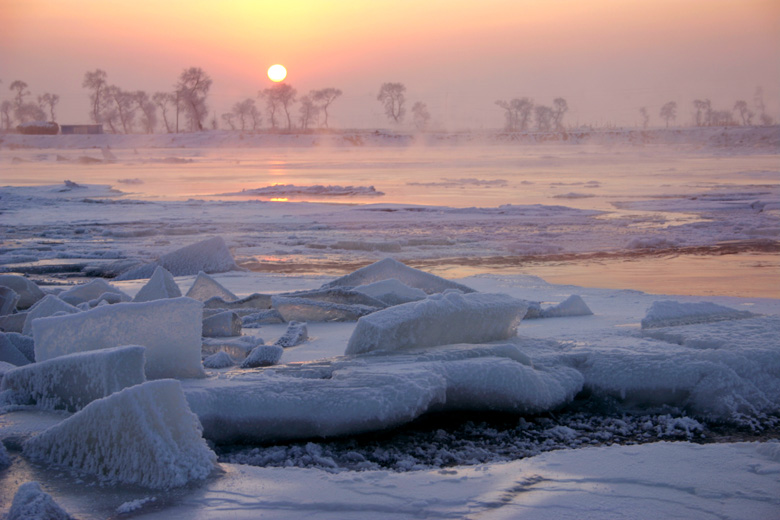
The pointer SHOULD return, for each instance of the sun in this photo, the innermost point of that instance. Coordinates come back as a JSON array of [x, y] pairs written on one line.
[[277, 73]]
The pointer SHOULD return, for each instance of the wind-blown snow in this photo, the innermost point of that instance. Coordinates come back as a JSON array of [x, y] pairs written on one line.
[[442, 319], [143, 435], [170, 329], [72, 381]]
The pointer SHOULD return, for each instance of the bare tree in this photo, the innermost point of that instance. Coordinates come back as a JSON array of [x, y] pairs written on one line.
[[21, 92], [243, 112], [148, 110], [122, 107], [721, 118], [421, 115], [703, 109], [24, 112], [669, 112], [645, 117], [49, 101], [309, 112], [391, 95], [758, 102], [560, 107], [324, 97], [229, 118], [279, 96], [744, 112], [5, 114], [544, 118], [517, 113], [164, 100], [192, 89], [97, 82]]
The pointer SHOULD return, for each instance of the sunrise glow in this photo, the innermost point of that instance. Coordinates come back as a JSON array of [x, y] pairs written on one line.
[[277, 73]]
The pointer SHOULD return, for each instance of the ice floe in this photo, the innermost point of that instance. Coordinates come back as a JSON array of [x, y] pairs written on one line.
[[388, 269], [210, 256], [669, 313], [160, 285], [94, 290], [392, 292], [206, 287]]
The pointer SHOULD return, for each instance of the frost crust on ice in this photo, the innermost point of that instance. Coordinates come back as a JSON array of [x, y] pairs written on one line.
[[205, 287], [48, 306], [72, 381], [170, 330], [670, 313], [161, 285], [296, 333], [393, 269], [263, 356], [238, 347], [144, 435], [10, 354], [33, 503], [28, 292], [222, 324], [440, 319]]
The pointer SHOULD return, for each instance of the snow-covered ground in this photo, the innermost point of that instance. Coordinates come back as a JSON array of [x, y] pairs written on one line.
[[598, 379]]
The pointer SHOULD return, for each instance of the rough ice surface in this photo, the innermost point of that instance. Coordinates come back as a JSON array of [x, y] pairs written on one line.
[[304, 309], [340, 295], [219, 360], [48, 306], [440, 319], [238, 348], [263, 356], [13, 322], [206, 287], [72, 381], [392, 292], [670, 313], [25, 344], [210, 256], [8, 300], [144, 435], [33, 503], [170, 330], [373, 392], [253, 301], [222, 324], [90, 291], [389, 268], [296, 333], [256, 320], [10, 354], [28, 292], [160, 285], [574, 305]]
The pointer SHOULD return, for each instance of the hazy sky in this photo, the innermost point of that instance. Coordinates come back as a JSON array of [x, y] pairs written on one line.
[[608, 58]]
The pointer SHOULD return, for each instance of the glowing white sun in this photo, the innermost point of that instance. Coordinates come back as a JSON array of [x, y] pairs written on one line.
[[277, 73]]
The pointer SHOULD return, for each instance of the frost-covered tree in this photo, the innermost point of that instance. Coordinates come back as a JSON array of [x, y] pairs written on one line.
[[645, 117], [545, 117], [559, 108], [229, 119], [165, 101], [280, 96], [47, 102], [517, 113], [22, 110], [148, 110], [21, 92], [392, 97], [421, 115], [192, 89], [6, 108], [122, 108], [721, 118], [97, 82], [309, 112], [246, 114], [323, 98], [669, 112], [758, 103], [741, 107], [703, 109]]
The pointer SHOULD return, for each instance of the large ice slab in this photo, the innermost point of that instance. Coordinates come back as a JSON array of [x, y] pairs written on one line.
[[144, 435], [440, 319], [340, 295], [10, 354], [304, 309], [170, 330], [210, 256], [205, 287], [670, 313], [354, 395], [8, 300], [392, 292], [28, 292], [48, 306], [253, 301], [72, 381], [393, 269], [160, 285], [91, 291]]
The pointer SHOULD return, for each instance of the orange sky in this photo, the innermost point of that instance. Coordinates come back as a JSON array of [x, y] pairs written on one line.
[[606, 57]]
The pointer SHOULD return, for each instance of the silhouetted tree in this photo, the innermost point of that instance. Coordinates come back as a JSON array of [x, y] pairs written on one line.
[[560, 107], [309, 112], [97, 82], [49, 101], [148, 110], [229, 119], [323, 98], [21, 92], [279, 96], [669, 112], [246, 113], [6, 107], [703, 109], [544, 118], [645, 117], [164, 101], [744, 112], [517, 113], [192, 89], [420, 115], [391, 95], [758, 102]]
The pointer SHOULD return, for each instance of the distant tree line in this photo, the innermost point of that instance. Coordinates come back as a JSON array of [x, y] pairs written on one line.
[[521, 113], [704, 114], [19, 110]]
